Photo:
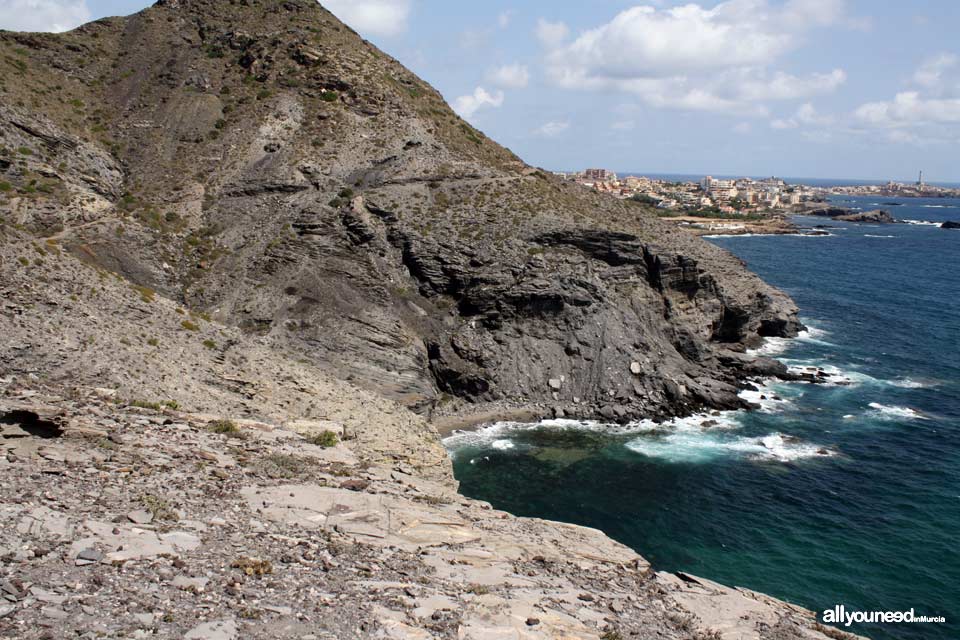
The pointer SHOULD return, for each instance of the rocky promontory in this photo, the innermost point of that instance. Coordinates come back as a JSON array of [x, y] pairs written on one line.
[[247, 260], [262, 165], [876, 216]]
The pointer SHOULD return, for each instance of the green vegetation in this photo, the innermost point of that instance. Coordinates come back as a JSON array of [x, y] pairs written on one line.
[[643, 198], [713, 213], [228, 428], [190, 326], [159, 508], [324, 439], [146, 293], [346, 193], [285, 466], [5, 186], [328, 96], [210, 344], [478, 589], [253, 566]]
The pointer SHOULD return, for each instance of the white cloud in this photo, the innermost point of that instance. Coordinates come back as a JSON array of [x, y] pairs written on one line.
[[552, 129], [551, 34], [784, 86], [623, 125], [742, 127], [503, 20], [691, 57], [511, 76], [43, 15], [373, 17], [925, 114], [806, 114], [468, 105], [935, 72], [909, 108]]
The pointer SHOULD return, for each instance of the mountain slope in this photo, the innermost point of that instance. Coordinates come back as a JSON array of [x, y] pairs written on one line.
[[259, 162]]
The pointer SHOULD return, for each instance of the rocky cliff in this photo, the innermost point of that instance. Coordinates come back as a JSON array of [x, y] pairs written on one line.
[[261, 164], [241, 208]]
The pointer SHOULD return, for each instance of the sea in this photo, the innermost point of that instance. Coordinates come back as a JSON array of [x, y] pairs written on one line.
[[839, 493]]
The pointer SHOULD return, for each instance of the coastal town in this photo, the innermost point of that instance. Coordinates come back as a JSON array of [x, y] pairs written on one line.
[[720, 197], [738, 206]]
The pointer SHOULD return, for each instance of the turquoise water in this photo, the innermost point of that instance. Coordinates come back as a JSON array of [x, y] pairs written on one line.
[[832, 494]]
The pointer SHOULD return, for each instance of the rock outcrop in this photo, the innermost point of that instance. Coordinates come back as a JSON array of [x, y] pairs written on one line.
[[260, 163], [877, 216], [125, 521], [950, 224], [242, 209]]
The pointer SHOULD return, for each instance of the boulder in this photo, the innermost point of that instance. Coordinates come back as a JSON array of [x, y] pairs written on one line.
[[878, 216]]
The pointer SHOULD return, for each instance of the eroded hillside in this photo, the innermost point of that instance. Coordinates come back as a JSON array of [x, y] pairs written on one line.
[[260, 163]]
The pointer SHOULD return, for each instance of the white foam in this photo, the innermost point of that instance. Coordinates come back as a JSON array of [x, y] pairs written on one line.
[[910, 383], [498, 435], [767, 235], [928, 223], [701, 446], [776, 346], [771, 347], [891, 412], [867, 235], [814, 335], [769, 400]]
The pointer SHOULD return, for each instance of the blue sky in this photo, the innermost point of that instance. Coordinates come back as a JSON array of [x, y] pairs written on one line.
[[803, 88]]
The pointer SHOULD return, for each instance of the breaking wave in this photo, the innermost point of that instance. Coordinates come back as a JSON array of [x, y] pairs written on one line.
[[890, 412], [696, 445]]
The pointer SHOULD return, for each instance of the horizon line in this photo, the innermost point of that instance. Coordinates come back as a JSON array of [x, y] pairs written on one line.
[[755, 176]]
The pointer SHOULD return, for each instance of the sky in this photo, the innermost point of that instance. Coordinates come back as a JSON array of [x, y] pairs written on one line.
[[860, 89]]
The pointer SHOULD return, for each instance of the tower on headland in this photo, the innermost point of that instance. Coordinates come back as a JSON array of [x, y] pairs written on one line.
[[920, 180]]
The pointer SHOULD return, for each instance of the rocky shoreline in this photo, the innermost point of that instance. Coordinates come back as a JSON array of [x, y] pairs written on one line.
[[244, 256], [152, 522]]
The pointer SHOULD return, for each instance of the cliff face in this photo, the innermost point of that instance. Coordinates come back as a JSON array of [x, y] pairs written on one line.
[[259, 162], [241, 208]]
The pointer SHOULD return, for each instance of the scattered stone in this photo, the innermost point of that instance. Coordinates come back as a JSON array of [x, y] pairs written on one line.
[[279, 610], [140, 517], [355, 484], [196, 585], [216, 630], [89, 556]]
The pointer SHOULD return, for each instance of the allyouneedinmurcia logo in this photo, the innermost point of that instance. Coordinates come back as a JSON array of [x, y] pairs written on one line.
[[840, 615]]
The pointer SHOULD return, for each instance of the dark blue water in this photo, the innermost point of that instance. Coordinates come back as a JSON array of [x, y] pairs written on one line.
[[847, 493]]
